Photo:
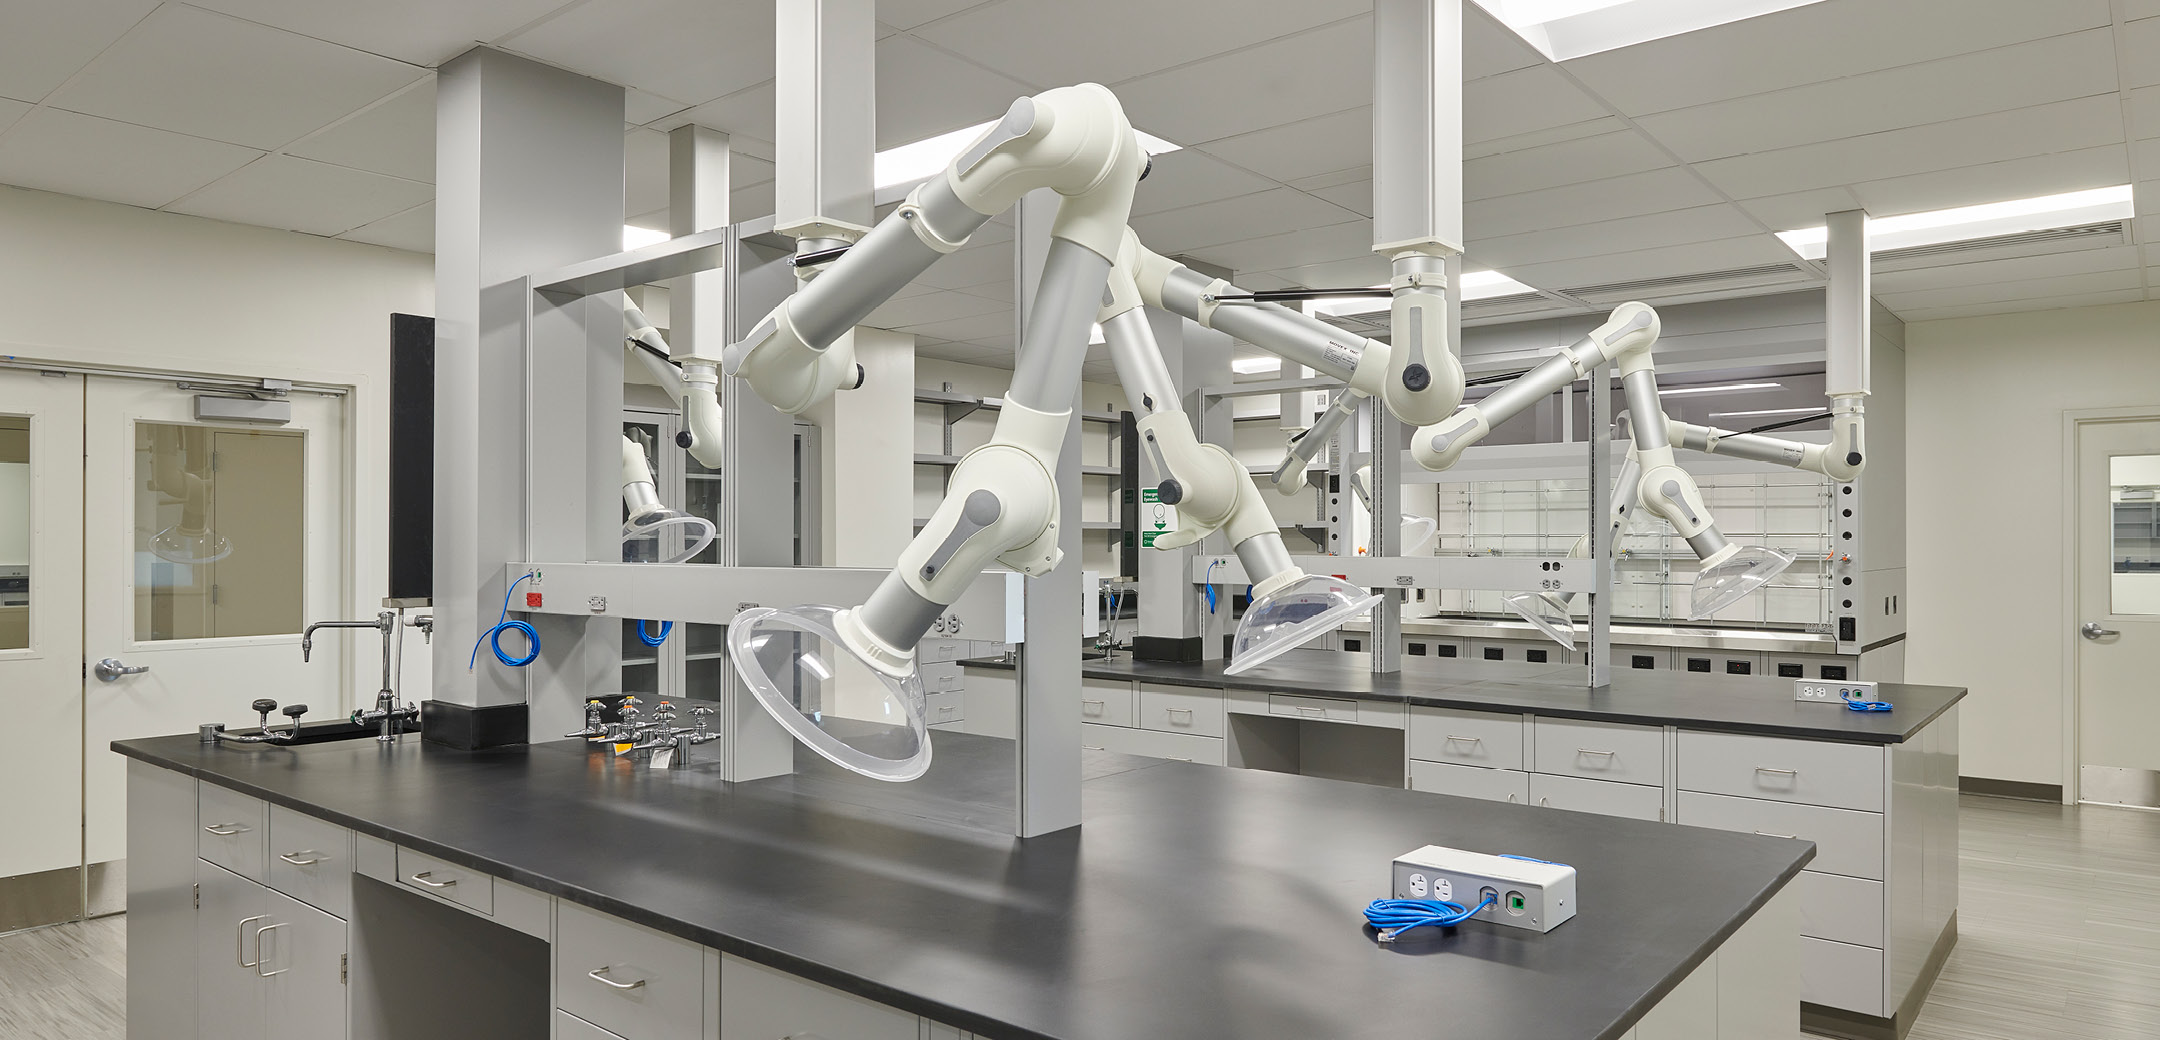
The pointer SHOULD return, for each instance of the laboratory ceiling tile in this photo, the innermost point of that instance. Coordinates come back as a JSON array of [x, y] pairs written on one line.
[[909, 14], [1816, 43], [749, 111], [696, 50], [1367, 269], [2060, 68], [212, 76], [1567, 162], [1629, 265], [110, 160], [1306, 148], [2144, 113], [751, 202], [10, 111], [1355, 196], [979, 326], [2019, 289], [1054, 42], [2063, 126], [2141, 53], [1635, 194], [1677, 227], [931, 307], [2006, 306], [413, 229], [1523, 102], [642, 106], [422, 32], [56, 39], [2146, 194], [396, 137], [2098, 167], [1490, 48], [1255, 88], [1343, 241], [1235, 220], [1189, 177], [1800, 209], [923, 92], [2012, 269], [1540, 138], [304, 195], [645, 171], [974, 264], [2134, 10]]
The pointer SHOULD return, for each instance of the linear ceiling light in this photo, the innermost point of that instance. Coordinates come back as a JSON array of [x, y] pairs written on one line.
[[1252, 366], [1985, 221], [635, 237], [1720, 388], [1564, 29], [924, 158], [1473, 285], [1766, 411]]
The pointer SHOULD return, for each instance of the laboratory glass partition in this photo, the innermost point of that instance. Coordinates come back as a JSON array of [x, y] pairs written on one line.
[[220, 531], [14, 532], [2134, 555]]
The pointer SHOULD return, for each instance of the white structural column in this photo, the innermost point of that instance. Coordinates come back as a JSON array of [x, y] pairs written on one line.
[[529, 175], [698, 185], [1417, 126], [825, 84], [1048, 787], [1849, 304], [867, 469]]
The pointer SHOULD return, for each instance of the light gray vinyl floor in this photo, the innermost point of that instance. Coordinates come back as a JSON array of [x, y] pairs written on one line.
[[2059, 917]]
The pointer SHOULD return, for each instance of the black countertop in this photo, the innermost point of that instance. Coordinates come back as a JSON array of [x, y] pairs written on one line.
[[1195, 901], [1730, 703]]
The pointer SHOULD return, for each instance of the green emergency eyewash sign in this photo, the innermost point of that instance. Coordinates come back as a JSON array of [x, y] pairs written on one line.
[[1156, 517]]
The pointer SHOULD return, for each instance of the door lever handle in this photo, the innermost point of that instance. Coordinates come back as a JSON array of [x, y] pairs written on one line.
[[2092, 630]]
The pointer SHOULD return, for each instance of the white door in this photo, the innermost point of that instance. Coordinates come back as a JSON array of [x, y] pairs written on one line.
[[40, 639], [2118, 611], [206, 548]]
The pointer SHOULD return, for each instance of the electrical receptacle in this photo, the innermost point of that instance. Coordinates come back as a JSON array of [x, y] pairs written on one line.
[[1524, 893], [1833, 691]]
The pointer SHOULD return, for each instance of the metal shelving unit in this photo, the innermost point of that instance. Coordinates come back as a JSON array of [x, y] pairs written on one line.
[[957, 406]]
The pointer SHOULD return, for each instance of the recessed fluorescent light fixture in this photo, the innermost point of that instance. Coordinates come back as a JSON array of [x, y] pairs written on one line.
[[1965, 223], [1564, 29], [1252, 366], [1765, 411], [1720, 388], [1472, 285], [925, 158], [634, 237]]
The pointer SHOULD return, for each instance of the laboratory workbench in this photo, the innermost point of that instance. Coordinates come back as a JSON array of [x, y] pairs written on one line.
[[1193, 901]]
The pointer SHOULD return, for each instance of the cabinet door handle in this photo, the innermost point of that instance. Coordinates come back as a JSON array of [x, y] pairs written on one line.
[[1545, 803], [1779, 772], [1098, 705], [1774, 834], [314, 857], [1187, 712], [423, 876], [1454, 739], [1606, 755], [1314, 712], [261, 960], [240, 942], [224, 830], [599, 975]]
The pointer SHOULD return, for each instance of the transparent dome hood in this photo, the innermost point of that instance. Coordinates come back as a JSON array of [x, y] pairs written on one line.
[[644, 535], [174, 545], [1545, 612], [1292, 616], [814, 684], [1722, 583], [1417, 533]]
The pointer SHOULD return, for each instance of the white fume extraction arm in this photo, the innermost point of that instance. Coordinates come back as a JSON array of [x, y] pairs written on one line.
[[1728, 572], [1417, 377], [1002, 502], [647, 522], [1213, 492]]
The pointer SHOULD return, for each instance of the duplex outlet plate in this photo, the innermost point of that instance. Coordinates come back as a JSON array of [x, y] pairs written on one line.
[[1526, 893], [1833, 691]]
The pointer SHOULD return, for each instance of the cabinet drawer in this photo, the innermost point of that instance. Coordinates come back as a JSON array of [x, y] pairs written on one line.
[[1183, 747], [1105, 702], [1846, 842], [1181, 709], [311, 860], [945, 707], [938, 651], [1846, 909], [451, 884], [768, 1004], [1812, 772], [1333, 709], [230, 830], [571, 1027], [1603, 797], [627, 978], [1635, 754], [1493, 785], [1478, 738], [1841, 975], [941, 678]]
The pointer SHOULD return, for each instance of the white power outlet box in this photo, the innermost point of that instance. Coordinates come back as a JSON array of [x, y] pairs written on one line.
[[1526, 893], [1833, 692]]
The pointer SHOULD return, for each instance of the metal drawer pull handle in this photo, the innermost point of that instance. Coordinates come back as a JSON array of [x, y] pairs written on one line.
[[1774, 834], [424, 875], [240, 942], [948, 707], [599, 975], [1780, 772], [1546, 802], [1098, 704], [224, 830], [1453, 739], [261, 960], [1302, 710], [1187, 712], [314, 857], [1592, 751]]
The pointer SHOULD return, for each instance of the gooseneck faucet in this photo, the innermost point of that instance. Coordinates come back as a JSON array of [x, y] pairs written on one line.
[[387, 712]]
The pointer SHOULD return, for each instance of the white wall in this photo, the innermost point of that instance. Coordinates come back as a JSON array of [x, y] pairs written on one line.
[[96, 282], [1987, 522]]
